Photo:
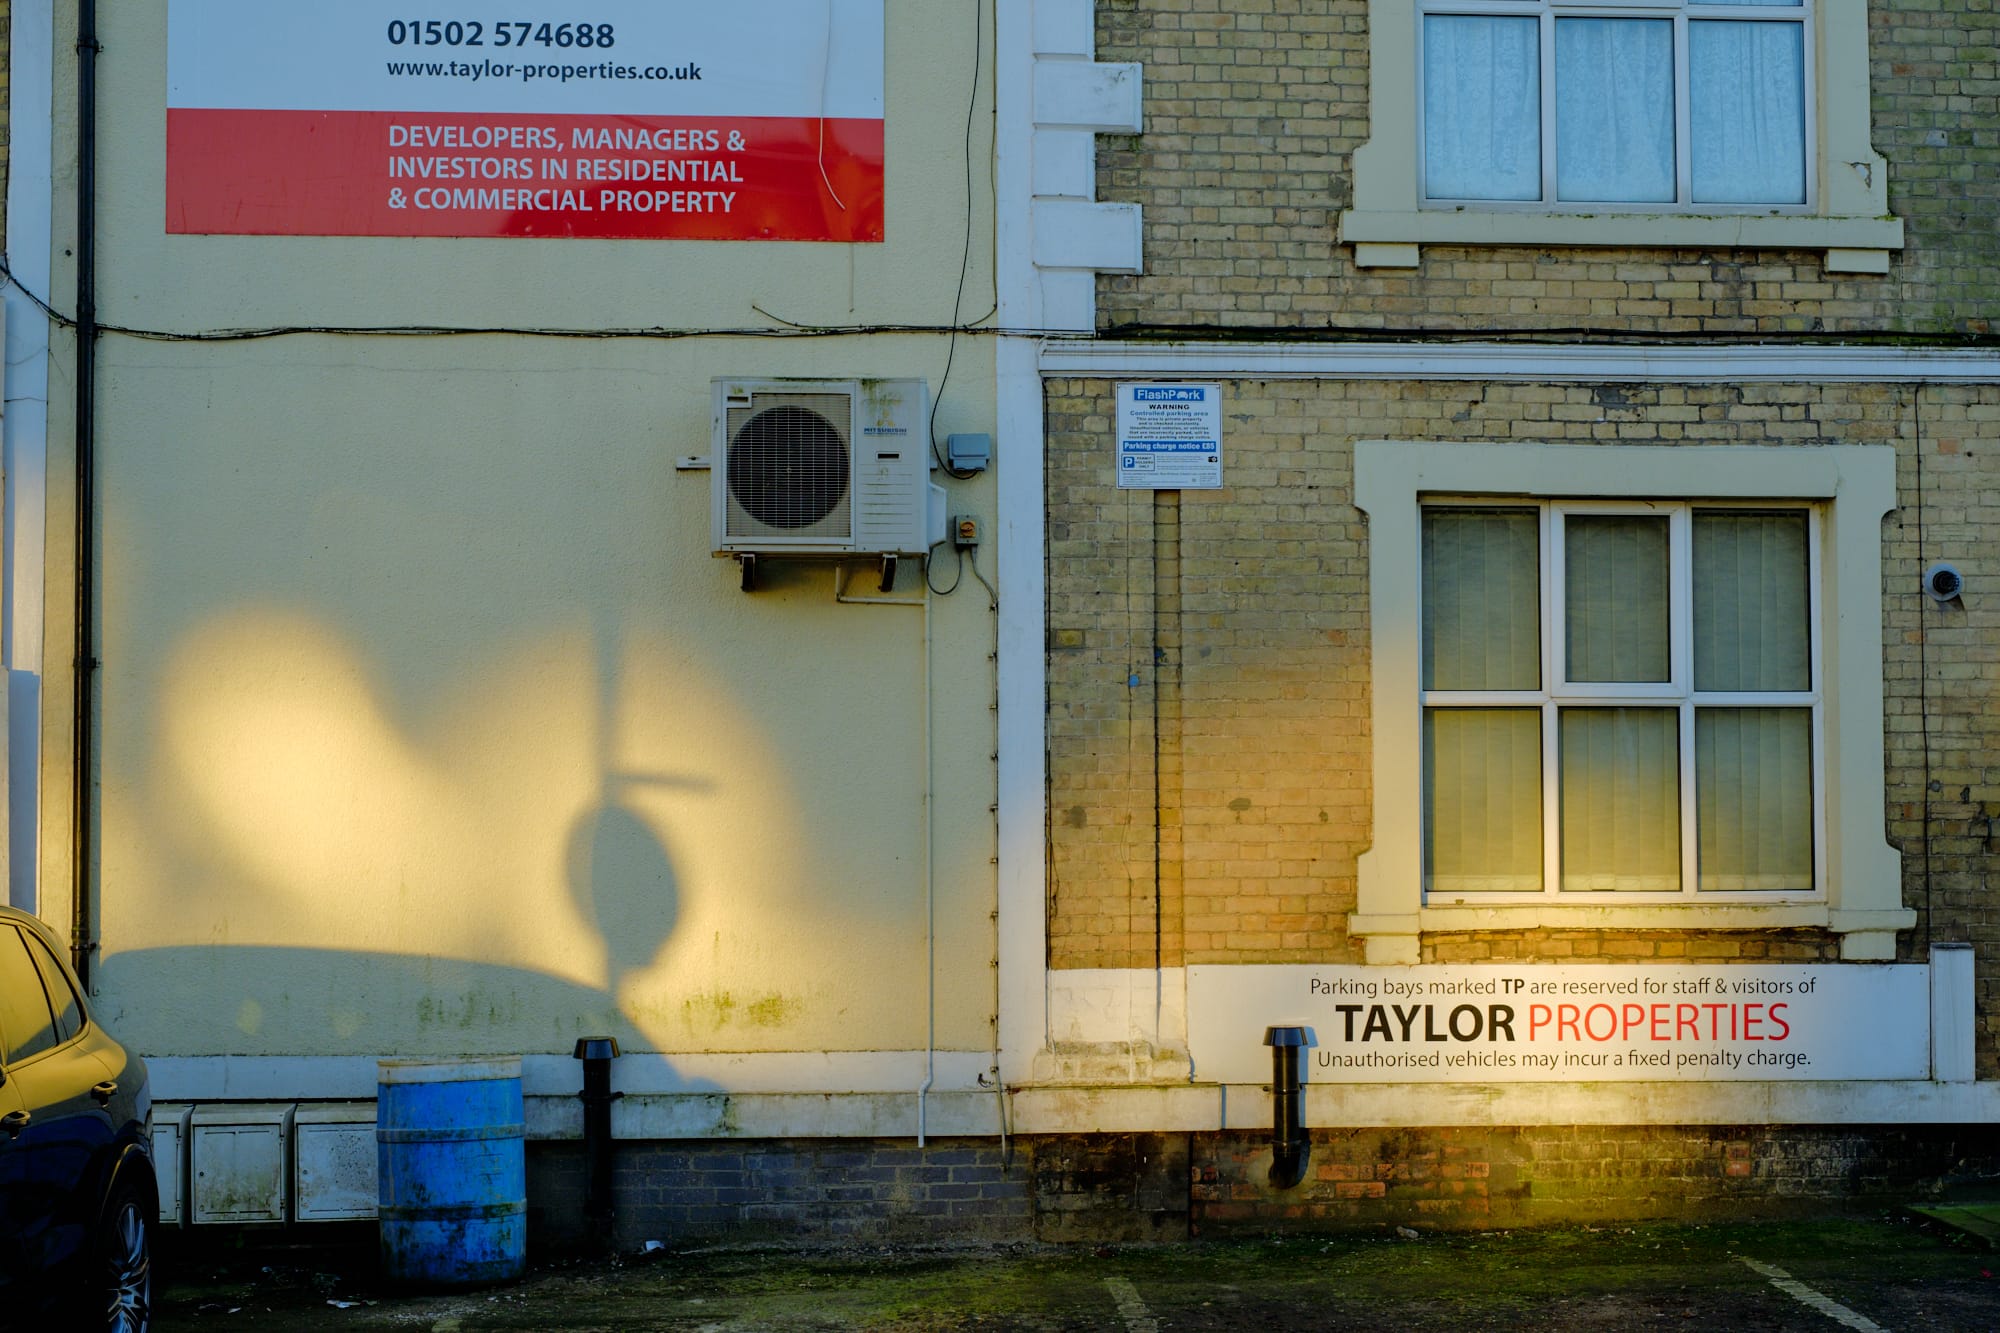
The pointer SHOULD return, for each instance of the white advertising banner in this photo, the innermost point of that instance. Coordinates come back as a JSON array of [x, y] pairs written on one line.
[[806, 58], [1526, 1022], [636, 120]]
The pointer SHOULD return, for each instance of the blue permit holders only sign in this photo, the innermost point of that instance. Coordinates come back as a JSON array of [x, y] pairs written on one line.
[[1169, 437]]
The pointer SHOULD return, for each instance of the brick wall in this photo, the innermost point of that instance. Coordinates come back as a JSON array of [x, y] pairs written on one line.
[[1209, 733], [1165, 1187], [1113, 1186], [1254, 109], [1473, 1179], [885, 1189], [1259, 657]]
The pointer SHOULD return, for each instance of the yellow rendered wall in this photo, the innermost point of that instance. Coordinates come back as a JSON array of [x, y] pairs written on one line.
[[428, 724]]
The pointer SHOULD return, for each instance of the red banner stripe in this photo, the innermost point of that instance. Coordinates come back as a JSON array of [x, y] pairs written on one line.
[[370, 173]]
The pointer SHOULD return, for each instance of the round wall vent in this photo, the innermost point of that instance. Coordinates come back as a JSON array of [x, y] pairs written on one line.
[[788, 467]]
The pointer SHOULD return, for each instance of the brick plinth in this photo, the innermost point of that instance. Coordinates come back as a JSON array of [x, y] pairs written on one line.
[[1170, 1187]]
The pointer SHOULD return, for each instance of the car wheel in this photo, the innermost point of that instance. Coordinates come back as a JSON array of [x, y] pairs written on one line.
[[122, 1258]]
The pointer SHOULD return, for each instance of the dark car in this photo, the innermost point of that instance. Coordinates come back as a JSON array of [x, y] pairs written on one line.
[[78, 1197]]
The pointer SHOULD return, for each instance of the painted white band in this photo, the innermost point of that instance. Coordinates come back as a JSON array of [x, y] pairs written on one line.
[[1567, 363], [1202, 1108], [446, 1071], [1131, 1309], [200, 1078], [1806, 1296], [553, 1110]]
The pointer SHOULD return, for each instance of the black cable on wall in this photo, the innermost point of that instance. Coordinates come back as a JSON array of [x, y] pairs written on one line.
[[83, 813]]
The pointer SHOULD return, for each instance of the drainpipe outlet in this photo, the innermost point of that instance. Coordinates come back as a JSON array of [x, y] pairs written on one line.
[[597, 1053], [1290, 1148]]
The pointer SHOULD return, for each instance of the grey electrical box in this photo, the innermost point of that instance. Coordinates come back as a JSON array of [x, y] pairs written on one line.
[[238, 1163], [968, 453], [333, 1162]]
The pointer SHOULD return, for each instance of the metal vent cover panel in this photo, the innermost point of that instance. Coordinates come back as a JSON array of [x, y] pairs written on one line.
[[891, 466]]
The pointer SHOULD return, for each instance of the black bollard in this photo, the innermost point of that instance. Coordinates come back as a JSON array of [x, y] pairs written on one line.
[[1290, 1147], [597, 1053]]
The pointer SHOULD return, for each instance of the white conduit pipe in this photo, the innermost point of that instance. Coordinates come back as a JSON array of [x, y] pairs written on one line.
[[930, 884]]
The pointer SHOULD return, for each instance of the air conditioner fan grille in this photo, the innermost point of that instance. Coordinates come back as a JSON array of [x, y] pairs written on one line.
[[788, 465]]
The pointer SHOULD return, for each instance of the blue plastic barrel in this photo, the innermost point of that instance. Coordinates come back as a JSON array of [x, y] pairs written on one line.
[[451, 1169]]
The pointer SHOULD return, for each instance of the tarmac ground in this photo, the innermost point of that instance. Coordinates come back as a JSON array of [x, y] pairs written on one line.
[[1892, 1272]]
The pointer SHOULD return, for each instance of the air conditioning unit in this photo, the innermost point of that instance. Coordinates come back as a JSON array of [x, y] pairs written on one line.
[[823, 468]]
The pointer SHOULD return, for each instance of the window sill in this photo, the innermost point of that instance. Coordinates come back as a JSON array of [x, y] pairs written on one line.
[[1391, 239], [1394, 938]]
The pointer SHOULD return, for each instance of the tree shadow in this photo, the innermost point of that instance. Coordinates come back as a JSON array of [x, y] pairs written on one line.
[[622, 877]]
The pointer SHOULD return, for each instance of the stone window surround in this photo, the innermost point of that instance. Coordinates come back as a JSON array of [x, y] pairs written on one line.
[[1388, 223], [1854, 484]]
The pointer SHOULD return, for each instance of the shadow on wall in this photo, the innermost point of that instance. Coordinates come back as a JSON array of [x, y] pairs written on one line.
[[404, 846], [391, 1004], [610, 850]]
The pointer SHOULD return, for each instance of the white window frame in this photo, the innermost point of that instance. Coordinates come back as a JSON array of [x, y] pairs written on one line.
[[1859, 896], [1680, 13], [1556, 692], [1847, 181]]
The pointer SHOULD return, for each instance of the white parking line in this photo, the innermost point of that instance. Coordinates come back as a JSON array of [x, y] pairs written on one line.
[[1805, 1295], [1138, 1319]]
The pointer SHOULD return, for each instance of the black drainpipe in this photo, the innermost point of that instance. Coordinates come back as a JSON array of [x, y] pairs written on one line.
[[1291, 1146], [599, 1212], [83, 933]]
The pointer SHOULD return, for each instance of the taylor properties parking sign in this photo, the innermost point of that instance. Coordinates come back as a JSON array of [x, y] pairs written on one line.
[[1170, 437]]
